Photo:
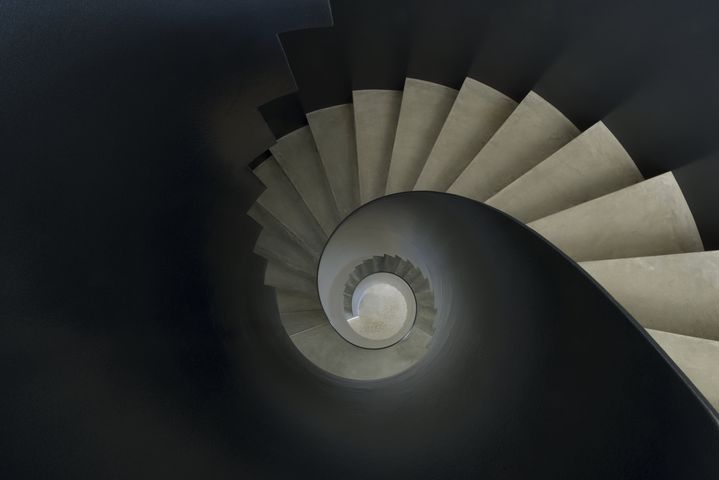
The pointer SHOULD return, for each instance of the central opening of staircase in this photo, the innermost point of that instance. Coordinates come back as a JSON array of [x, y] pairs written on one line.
[[383, 308]]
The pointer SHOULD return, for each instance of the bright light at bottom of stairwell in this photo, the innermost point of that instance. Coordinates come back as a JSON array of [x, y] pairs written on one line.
[[383, 305]]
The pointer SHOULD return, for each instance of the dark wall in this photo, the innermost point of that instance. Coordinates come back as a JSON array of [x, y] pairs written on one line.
[[132, 311], [124, 131]]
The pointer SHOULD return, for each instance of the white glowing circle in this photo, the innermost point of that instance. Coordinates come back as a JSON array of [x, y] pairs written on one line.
[[383, 306]]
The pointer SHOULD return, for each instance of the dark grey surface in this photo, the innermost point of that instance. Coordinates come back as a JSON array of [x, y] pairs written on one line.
[[132, 310]]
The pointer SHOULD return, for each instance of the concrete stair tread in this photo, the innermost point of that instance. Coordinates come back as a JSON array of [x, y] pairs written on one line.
[[590, 166], [280, 248], [477, 113], [376, 116], [298, 322], [282, 201], [333, 129], [649, 218], [672, 293], [297, 154], [425, 106], [284, 278], [325, 348], [289, 301], [698, 358], [533, 132]]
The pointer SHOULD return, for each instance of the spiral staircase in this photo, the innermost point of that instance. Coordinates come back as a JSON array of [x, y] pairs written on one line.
[[434, 267]]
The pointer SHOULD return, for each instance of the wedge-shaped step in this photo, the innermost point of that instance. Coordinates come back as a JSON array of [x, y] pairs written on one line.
[[334, 131], [477, 113], [298, 322], [284, 278], [649, 218], [297, 153], [282, 201], [672, 293], [425, 320], [289, 301], [376, 117], [425, 106], [533, 132], [591, 165], [698, 358], [279, 247], [325, 348]]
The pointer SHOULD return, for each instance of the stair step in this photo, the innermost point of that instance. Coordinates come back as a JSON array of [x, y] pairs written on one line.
[[376, 116], [275, 246], [591, 165], [533, 132], [325, 348], [413, 276], [289, 301], [698, 358], [404, 268], [297, 154], [649, 218], [425, 106], [425, 320], [283, 278], [282, 201], [333, 129], [376, 264], [391, 264], [672, 293], [477, 113], [298, 322]]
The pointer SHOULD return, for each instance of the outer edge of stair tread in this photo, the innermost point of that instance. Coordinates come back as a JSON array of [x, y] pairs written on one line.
[[272, 246], [298, 322], [376, 117], [645, 219], [333, 129], [269, 222], [542, 129], [477, 113], [283, 202], [291, 302], [425, 106], [284, 278], [297, 154], [591, 165], [673, 293]]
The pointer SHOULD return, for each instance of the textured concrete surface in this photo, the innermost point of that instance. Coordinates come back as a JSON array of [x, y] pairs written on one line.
[[697, 358], [289, 301], [649, 218], [591, 165], [376, 116], [672, 293], [476, 115], [298, 156], [297, 322], [325, 348], [285, 206], [425, 106], [533, 132], [334, 131], [273, 245], [284, 278]]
